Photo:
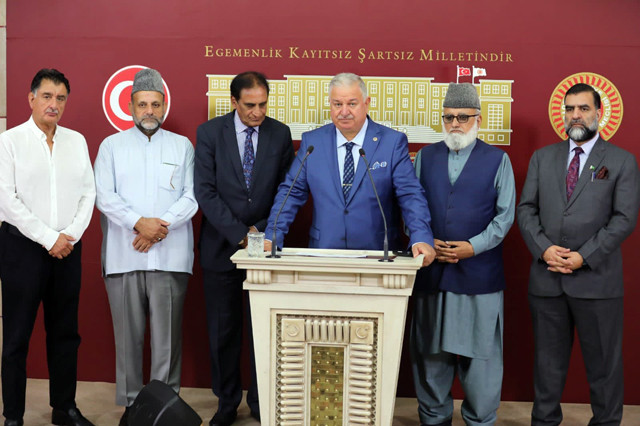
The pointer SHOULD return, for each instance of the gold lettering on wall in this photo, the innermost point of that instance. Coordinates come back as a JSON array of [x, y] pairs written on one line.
[[361, 54]]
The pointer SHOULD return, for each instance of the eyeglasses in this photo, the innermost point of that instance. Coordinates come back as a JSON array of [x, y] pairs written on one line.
[[462, 118]]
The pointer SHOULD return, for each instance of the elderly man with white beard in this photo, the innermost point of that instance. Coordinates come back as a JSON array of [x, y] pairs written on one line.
[[458, 300]]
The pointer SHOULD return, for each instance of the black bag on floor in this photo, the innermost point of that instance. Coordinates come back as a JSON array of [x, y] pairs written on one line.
[[158, 405]]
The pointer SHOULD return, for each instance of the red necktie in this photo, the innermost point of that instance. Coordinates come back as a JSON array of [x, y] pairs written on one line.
[[574, 172]]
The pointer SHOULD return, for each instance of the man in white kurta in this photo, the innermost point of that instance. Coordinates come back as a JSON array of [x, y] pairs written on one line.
[[144, 182]]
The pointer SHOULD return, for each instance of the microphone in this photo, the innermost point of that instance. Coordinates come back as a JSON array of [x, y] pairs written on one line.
[[384, 219], [275, 222]]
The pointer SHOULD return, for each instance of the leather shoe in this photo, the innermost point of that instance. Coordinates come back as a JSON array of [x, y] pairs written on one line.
[[223, 419], [124, 420], [11, 422], [70, 417]]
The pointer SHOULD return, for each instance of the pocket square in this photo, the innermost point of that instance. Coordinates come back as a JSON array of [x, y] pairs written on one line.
[[378, 164], [603, 173]]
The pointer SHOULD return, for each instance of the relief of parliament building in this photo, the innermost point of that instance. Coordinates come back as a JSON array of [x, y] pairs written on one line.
[[410, 105]]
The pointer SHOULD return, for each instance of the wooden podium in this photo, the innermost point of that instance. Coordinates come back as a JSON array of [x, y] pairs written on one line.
[[327, 330]]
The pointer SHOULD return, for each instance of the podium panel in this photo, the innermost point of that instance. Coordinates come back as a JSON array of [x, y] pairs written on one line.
[[328, 333]]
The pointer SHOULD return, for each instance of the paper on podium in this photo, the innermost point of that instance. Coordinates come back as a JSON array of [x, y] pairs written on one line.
[[318, 254]]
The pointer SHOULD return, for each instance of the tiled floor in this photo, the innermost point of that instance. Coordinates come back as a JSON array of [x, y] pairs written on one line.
[[96, 400]]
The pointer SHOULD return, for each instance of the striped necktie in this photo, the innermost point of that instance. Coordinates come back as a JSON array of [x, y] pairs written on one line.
[[347, 176]]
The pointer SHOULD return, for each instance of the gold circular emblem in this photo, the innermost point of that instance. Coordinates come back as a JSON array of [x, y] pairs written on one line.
[[610, 110]]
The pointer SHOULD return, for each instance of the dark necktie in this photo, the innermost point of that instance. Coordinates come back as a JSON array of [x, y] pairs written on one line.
[[574, 172], [248, 158], [347, 175]]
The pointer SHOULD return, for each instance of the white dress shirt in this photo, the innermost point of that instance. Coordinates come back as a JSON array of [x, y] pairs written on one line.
[[358, 141], [138, 178], [45, 192]]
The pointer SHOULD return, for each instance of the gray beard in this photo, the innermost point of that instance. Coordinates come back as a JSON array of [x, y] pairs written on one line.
[[582, 134], [146, 127], [456, 141]]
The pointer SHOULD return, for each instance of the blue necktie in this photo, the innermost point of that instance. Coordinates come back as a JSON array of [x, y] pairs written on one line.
[[347, 176], [248, 158]]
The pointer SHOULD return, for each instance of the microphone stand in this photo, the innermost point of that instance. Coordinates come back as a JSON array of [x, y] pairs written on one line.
[[385, 258], [273, 254]]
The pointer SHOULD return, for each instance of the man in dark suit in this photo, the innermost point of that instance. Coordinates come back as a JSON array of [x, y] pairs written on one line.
[[240, 159], [345, 210], [579, 202]]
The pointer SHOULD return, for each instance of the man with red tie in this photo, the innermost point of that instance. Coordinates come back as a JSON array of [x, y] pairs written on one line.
[[579, 202]]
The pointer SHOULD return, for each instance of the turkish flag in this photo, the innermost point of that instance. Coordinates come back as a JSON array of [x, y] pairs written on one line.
[[462, 71]]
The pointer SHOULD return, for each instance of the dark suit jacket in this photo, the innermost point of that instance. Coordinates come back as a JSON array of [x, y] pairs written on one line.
[[355, 223], [599, 216], [229, 209]]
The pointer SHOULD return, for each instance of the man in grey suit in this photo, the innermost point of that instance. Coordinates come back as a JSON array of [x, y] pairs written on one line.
[[579, 202]]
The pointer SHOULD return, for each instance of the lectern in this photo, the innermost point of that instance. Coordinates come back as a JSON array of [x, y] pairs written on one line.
[[327, 329]]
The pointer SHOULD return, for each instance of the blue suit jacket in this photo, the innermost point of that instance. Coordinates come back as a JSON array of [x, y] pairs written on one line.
[[354, 223]]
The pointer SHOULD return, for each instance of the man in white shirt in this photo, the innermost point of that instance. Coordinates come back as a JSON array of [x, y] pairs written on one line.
[[144, 181], [46, 201]]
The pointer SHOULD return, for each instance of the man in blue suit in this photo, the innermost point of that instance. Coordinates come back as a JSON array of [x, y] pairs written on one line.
[[345, 210]]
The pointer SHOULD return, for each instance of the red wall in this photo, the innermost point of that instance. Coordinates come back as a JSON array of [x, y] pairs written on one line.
[[547, 41]]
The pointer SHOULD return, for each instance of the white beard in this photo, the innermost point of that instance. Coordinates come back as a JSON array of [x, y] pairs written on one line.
[[457, 141]]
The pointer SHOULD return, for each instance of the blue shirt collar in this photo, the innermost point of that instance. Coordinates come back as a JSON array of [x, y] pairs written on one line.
[[240, 126], [586, 147]]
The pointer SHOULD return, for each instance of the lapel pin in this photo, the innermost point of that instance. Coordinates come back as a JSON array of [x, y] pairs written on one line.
[[375, 139]]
